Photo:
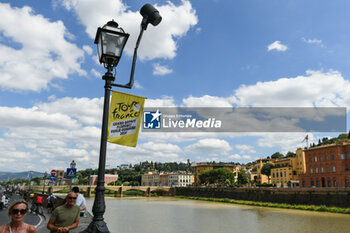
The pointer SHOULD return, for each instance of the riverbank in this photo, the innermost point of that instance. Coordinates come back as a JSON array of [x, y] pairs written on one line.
[[320, 208]]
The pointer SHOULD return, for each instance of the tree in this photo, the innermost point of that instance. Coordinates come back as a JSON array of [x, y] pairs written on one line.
[[266, 170], [290, 154], [242, 178], [277, 155], [219, 176]]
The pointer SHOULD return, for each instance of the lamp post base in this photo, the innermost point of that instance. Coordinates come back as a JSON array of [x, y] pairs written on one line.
[[96, 227]]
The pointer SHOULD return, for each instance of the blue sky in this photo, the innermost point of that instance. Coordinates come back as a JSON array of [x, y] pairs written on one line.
[[205, 53]]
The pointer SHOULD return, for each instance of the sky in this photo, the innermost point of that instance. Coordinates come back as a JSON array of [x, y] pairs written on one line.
[[204, 53]]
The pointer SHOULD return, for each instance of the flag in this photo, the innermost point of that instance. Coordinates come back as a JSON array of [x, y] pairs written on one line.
[[124, 119], [306, 138]]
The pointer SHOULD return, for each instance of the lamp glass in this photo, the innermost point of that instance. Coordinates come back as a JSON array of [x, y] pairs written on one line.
[[110, 42]]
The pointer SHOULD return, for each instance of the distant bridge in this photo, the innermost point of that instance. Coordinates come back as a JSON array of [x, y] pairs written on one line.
[[118, 190]]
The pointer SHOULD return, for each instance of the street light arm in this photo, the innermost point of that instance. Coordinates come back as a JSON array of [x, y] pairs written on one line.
[[131, 80]]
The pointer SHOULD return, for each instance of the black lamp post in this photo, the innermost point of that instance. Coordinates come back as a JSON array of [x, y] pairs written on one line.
[[111, 40], [44, 178]]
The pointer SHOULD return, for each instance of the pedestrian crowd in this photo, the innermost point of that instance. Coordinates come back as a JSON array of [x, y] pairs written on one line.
[[63, 218]]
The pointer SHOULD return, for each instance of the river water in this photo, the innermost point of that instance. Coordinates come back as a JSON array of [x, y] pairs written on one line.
[[169, 215]]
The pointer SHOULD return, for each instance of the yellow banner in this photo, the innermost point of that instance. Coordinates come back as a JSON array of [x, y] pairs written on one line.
[[124, 118]]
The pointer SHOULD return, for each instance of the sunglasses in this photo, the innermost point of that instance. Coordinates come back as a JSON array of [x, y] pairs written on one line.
[[16, 211], [72, 198]]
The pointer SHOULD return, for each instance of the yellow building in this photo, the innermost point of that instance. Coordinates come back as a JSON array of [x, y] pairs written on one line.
[[261, 178], [301, 165], [202, 167], [287, 170]]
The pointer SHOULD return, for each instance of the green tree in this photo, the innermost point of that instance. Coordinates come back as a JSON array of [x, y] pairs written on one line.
[[219, 176], [277, 155], [242, 178], [290, 154], [266, 170]]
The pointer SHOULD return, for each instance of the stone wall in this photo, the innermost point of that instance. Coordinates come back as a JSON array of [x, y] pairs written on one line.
[[339, 197]]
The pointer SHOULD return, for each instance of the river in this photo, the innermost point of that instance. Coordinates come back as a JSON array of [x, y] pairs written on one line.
[[170, 215]]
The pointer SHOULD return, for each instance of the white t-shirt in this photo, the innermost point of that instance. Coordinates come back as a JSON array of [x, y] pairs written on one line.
[[81, 202]]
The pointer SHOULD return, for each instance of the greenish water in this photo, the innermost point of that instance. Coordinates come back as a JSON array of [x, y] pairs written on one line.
[[169, 215]]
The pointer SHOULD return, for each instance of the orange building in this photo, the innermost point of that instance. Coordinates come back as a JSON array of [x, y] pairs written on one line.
[[327, 166]]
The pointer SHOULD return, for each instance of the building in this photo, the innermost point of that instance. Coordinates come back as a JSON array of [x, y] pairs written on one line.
[[284, 174], [327, 166], [202, 167], [261, 178], [164, 179], [150, 179], [180, 179], [301, 165], [109, 178]]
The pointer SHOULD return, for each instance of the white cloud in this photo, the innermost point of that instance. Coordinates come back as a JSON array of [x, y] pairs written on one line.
[[313, 41], [239, 157], [137, 85], [42, 57], [161, 70], [209, 146], [165, 101], [95, 73], [207, 101], [245, 148], [87, 49], [316, 88], [285, 141], [157, 42], [277, 46]]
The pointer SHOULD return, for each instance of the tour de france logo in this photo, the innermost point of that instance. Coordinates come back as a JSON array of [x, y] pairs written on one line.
[[152, 120]]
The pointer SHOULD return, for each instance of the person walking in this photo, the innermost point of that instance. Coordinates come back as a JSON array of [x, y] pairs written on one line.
[[65, 217], [16, 212], [2, 201], [39, 204], [51, 203], [81, 202]]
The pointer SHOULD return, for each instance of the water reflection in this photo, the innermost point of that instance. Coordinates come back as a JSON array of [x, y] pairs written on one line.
[[166, 215]]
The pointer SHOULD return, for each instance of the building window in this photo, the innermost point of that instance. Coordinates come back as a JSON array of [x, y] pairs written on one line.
[[322, 170], [281, 174], [342, 156], [332, 156], [285, 174], [343, 166], [321, 158], [277, 174], [333, 167], [310, 159], [335, 182], [349, 155], [317, 183], [316, 170], [311, 171], [329, 184], [312, 182], [327, 167], [303, 183], [315, 158], [347, 184], [326, 157], [273, 175]]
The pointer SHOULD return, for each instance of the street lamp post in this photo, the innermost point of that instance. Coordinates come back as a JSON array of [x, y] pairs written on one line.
[[45, 175], [111, 40], [72, 165]]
